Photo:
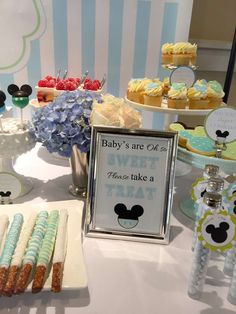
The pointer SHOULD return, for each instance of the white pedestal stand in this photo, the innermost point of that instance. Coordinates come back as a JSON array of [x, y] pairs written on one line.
[[171, 115], [17, 184]]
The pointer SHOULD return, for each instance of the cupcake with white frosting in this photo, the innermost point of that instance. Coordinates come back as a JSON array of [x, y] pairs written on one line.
[[135, 91], [153, 94], [182, 53], [215, 94], [167, 53], [197, 95], [177, 96]]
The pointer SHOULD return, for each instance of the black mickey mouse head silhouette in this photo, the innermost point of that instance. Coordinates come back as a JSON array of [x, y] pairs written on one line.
[[128, 218], [2, 101], [234, 209], [5, 194], [222, 135], [219, 234], [20, 96], [203, 192]]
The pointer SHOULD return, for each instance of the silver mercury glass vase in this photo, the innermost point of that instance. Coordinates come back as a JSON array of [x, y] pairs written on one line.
[[79, 167]]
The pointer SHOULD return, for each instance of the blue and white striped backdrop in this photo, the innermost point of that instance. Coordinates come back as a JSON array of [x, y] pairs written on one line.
[[121, 38]]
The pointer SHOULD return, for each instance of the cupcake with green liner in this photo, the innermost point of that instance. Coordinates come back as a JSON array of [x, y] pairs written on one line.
[[136, 89], [182, 53], [153, 94], [167, 53], [215, 94], [197, 95], [177, 96]]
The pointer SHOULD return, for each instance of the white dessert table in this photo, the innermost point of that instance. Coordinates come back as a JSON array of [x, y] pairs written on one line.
[[123, 277]]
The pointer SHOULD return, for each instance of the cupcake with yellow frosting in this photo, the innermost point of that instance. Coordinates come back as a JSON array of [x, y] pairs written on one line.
[[197, 95], [193, 51], [167, 53], [182, 53], [215, 94], [136, 89], [153, 94], [177, 96]]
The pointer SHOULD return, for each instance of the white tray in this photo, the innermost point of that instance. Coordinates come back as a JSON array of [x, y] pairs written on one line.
[[165, 109], [75, 276]]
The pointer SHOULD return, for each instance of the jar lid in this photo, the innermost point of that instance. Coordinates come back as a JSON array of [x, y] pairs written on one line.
[[215, 185], [211, 170], [212, 199]]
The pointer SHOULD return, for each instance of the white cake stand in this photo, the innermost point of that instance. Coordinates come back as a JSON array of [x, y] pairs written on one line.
[[13, 145], [10, 180], [171, 115]]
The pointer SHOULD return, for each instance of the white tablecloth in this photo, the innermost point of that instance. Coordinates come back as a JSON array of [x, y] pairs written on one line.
[[123, 277]]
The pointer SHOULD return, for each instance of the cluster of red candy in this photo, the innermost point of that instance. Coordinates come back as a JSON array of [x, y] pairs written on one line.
[[68, 84]]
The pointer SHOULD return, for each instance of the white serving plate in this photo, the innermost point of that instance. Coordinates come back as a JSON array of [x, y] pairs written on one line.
[[75, 276], [165, 109]]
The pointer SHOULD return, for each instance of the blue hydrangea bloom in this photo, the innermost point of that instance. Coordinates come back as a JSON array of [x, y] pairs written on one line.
[[65, 122]]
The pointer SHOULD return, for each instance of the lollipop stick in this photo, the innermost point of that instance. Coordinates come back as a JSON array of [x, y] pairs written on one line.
[[21, 118], [84, 77], [103, 81]]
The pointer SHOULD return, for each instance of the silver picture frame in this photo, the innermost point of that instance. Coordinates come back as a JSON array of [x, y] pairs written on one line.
[[141, 155]]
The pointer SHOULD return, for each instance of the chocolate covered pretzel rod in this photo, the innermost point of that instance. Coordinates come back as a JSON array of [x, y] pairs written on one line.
[[18, 255], [45, 252], [59, 252], [9, 248], [32, 251]]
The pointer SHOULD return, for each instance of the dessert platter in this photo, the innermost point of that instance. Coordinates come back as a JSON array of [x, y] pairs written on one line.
[[195, 148], [176, 98], [49, 87], [38, 245], [180, 93]]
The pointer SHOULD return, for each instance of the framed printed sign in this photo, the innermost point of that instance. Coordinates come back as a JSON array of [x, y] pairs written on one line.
[[131, 184]]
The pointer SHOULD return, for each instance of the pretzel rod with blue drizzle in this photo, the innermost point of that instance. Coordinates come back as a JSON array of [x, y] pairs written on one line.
[[46, 251], [18, 255], [9, 248], [32, 251]]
